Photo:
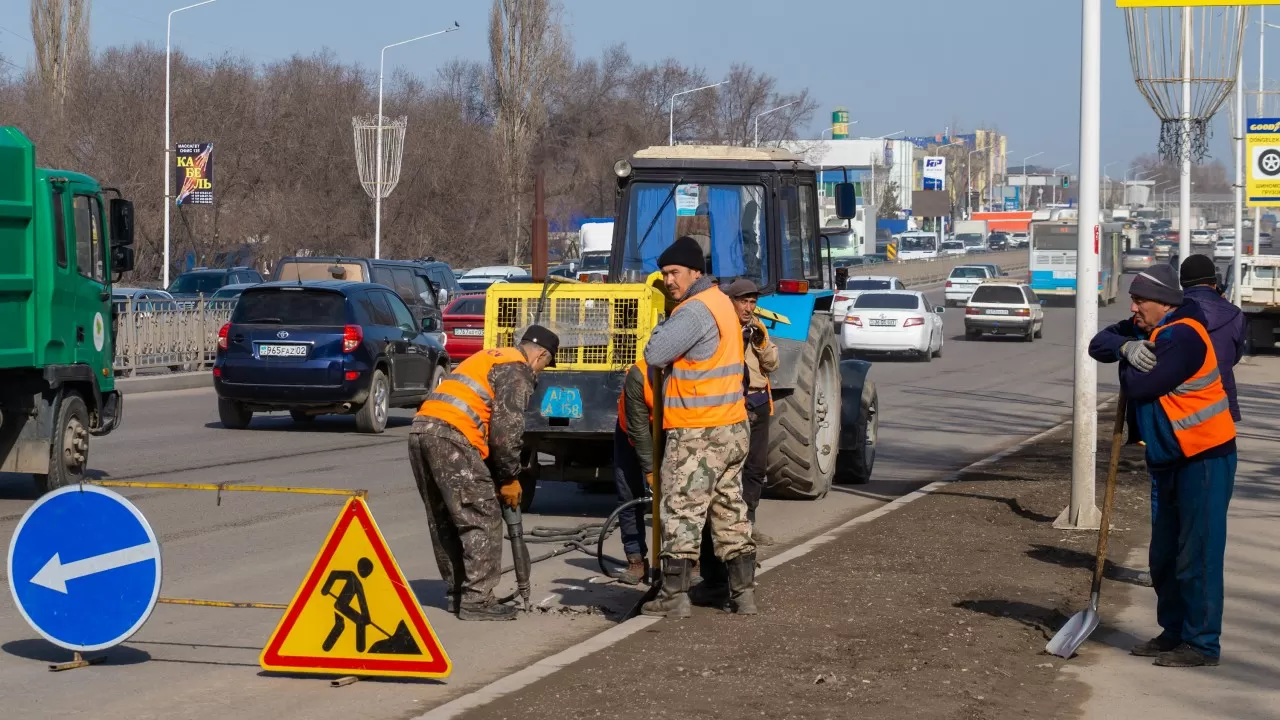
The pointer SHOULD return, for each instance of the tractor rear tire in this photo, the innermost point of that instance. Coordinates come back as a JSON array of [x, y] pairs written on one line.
[[853, 466], [804, 432]]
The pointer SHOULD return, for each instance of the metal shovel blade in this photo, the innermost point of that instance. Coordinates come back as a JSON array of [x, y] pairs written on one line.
[[1075, 632]]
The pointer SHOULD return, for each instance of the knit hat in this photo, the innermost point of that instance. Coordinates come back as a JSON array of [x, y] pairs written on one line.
[[1198, 270], [684, 251], [1159, 283]]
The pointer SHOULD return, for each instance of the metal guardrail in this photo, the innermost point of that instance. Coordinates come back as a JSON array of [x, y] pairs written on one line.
[[172, 334]]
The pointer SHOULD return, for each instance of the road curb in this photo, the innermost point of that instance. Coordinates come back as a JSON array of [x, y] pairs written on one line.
[[161, 383], [532, 673]]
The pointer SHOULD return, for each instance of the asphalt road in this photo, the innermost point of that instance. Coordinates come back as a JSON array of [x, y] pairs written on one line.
[[979, 397]]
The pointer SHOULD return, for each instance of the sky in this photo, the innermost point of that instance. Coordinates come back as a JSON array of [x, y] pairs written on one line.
[[914, 65]]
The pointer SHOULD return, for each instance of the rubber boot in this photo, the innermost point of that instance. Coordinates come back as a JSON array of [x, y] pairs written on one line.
[[742, 584], [486, 611], [637, 570], [673, 596]]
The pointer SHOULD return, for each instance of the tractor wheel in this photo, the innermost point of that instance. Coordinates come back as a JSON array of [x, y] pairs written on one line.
[[804, 432], [853, 466]]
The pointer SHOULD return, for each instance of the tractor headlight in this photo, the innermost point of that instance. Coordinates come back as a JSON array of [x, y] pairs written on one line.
[[622, 169]]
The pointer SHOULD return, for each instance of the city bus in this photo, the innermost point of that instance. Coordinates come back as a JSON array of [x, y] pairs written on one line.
[[1052, 259], [917, 245]]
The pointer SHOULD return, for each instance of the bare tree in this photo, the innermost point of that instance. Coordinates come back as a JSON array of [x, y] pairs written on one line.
[[526, 56], [60, 30]]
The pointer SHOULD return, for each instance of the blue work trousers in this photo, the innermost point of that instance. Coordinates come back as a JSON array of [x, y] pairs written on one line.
[[1188, 542], [629, 481]]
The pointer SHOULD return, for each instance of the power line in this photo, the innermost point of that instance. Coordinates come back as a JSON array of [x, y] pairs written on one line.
[[17, 35]]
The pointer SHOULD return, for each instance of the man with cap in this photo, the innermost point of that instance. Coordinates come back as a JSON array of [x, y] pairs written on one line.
[[707, 436], [464, 448], [1179, 409], [1224, 321]]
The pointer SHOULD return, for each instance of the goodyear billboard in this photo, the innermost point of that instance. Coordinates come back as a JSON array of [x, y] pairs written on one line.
[[1188, 3], [1262, 151]]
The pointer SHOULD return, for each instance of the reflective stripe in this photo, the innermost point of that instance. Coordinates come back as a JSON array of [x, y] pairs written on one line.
[[1195, 418], [1200, 384], [460, 405], [476, 387], [683, 373], [704, 401]]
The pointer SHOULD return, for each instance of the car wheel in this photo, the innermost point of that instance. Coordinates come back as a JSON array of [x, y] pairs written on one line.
[[438, 377], [69, 449], [1040, 330], [233, 414], [971, 334], [372, 416], [938, 353], [1030, 336], [300, 416]]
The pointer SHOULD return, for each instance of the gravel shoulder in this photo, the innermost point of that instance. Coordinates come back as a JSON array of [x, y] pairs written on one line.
[[939, 610]]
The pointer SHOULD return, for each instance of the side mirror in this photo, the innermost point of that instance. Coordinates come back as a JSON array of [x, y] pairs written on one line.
[[939, 309], [442, 297], [121, 258], [121, 219], [430, 324], [1044, 302], [846, 201], [842, 276]]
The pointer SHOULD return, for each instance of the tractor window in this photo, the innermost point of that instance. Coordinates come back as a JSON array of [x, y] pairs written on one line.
[[797, 256], [727, 220], [88, 238], [807, 230], [60, 227]]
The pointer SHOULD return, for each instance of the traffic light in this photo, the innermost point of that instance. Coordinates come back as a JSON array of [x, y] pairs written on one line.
[[1066, 182]]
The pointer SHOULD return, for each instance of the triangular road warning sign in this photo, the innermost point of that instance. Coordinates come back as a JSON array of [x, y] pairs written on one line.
[[354, 613]]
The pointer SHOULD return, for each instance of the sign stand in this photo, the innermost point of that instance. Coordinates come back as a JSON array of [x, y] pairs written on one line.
[[77, 661]]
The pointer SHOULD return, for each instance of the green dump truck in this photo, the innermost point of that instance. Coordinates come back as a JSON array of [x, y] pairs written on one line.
[[60, 244]]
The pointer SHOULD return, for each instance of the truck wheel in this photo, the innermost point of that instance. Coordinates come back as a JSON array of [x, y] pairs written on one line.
[[69, 449], [372, 416], [233, 414], [804, 432], [854, 466]]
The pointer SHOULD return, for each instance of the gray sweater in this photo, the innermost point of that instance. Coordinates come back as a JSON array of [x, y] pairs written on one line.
[[692, 332]]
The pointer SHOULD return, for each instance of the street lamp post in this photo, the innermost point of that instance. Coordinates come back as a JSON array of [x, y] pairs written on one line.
[[168, 141], [671, 113], [1025, 187], [766, 112], [377, 197]]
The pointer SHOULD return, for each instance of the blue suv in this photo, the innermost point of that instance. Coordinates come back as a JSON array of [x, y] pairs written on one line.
[[320, 347]]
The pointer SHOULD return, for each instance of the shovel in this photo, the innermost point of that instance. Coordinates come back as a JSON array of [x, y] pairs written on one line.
[[1082, 624]]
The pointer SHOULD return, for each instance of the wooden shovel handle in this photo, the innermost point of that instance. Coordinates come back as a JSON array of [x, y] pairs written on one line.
[[659, 446], [1108, 498]]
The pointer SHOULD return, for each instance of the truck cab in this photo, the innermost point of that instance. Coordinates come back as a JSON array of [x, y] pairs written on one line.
[[60, 244]]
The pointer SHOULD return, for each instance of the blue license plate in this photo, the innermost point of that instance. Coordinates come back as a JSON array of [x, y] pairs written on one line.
[[560, 402]]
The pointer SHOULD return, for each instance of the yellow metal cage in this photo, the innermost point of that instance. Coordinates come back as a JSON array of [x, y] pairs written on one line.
[[601, 326]]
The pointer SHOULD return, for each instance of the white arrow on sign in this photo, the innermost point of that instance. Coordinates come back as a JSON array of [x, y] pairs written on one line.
[[54, 575]]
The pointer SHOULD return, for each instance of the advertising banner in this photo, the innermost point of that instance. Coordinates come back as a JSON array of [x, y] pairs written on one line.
[[194, 178], [935, 173], [1262, 151]]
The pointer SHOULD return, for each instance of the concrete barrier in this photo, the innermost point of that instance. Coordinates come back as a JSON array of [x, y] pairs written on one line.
[[161, 383]]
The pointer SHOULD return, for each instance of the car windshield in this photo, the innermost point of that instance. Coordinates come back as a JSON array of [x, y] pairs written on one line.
[[917, 243], [727, 220], [967, 239], [225, 293], [1003, 294], [868, 285], [840, 240], [195, 283], [952, 245], [1137, 251], [595, 261], [288, 306], [969, 272], [888, 301], [467, 306]]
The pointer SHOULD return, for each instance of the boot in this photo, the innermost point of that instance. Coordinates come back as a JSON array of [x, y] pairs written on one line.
[[453, 601], [637, 570], [1154, 646], [713, 591], [486, 611], [673, 596], [742, 584]]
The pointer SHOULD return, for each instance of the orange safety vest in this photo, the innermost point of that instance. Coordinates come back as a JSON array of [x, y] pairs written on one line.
[[622, 396], [708, 393], [1198, 409], [465, 398]]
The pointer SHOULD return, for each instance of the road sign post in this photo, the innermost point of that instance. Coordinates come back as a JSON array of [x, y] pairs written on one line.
[[84, 569]]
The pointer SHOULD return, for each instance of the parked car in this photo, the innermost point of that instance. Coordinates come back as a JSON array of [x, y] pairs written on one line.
[[511, 273], [205, 282], [953, 247], [963, 281], [1224, 250], [227, 294], [324, 346], [998, 241], [145, 301], [464, 326], [1138, 259], [474, 285], [1019, 239], [893, 321], [855, 286], [442, 278], [1004, 307]]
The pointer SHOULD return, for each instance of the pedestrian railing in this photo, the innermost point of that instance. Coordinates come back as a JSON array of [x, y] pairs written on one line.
[[171, 334]]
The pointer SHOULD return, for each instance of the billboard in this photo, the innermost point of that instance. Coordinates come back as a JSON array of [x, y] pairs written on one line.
[[935, 173], [1262, 150], [194, 178]]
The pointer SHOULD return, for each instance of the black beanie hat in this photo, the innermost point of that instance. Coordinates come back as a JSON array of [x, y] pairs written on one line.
[[1158, 283], [684, 251], [1198, 270]]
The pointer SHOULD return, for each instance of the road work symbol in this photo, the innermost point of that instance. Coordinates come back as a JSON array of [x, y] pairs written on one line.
[[354, 612], [84, 568]]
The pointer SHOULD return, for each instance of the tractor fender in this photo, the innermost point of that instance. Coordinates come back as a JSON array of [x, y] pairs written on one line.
[[853, 377]]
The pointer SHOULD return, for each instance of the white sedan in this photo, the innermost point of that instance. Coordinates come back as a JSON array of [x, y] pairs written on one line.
[[855, 286], [1224, 250], [893, 321]]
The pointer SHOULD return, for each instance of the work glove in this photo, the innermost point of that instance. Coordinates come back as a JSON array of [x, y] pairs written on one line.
[[1140, 354], [648, 478], [510, 493], [759, 336]]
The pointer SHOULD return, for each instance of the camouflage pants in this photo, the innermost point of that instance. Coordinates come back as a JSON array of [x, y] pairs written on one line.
[[462, 509], [702, 484]]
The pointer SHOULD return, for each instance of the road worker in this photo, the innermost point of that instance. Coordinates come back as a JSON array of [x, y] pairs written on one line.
[[465, 451], [1224, 321], [1179, 409], [707, 437], [633, 465]]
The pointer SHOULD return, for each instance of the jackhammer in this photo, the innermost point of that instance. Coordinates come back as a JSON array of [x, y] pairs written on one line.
[[519, 554]]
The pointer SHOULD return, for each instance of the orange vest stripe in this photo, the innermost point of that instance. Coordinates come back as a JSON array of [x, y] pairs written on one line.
[[708, 393], [1198, 409], [465, 399], [622, 396]]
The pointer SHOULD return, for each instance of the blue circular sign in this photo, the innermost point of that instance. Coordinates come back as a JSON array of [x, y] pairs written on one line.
[[84, 568]]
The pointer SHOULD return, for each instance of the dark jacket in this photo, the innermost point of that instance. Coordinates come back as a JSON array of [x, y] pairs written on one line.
[[1226, 325], [639, 418], [1179, 356]]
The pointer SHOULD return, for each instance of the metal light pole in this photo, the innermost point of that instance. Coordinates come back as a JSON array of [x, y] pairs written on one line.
[[1082, 513], [377, 198], [766, 112], [671, 114], [1025, 187], [1184, 143], [1239, 183], [1054, 200], [1257, 211], [168, 141]]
